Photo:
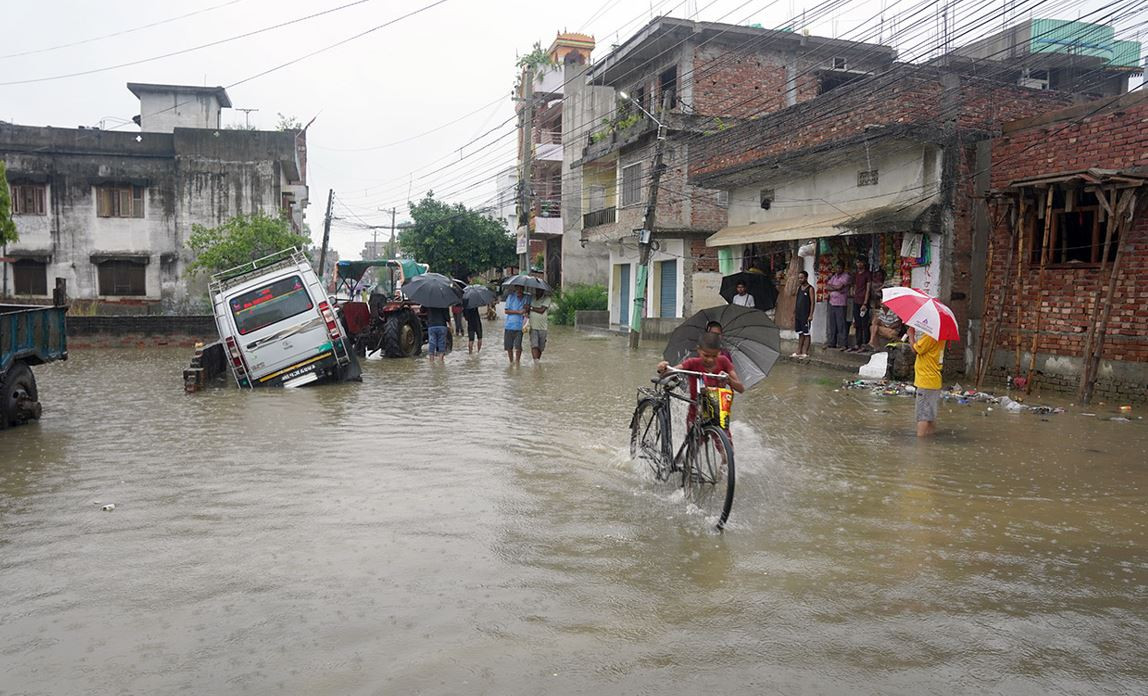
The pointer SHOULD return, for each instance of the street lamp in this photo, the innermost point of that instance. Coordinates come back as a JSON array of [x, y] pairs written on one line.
[[661, 126]]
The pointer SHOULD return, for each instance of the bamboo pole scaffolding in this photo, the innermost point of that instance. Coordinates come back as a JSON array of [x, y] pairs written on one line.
[[1044, 252], [984, 360], [1125, 213]]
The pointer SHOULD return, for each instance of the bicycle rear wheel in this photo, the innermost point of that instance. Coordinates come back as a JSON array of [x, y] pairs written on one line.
[[708, 475], [649, 441]]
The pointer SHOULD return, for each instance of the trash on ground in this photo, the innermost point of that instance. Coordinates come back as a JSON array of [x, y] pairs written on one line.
[[964, 397]]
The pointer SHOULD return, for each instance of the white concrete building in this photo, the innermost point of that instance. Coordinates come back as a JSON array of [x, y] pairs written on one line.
[[111, 211]]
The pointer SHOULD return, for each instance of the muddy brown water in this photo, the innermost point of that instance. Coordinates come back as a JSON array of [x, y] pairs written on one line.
[[477, 529]]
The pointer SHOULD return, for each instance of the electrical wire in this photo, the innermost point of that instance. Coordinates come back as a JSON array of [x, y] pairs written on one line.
[[182, 51], [122, 32]]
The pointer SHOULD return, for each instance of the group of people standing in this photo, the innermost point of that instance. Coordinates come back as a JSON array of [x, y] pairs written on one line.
[[526, 315], [854, 302]]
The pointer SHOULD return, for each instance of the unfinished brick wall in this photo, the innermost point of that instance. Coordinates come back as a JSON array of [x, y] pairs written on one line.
[[1114, 138], [903, 97], [740, 86]]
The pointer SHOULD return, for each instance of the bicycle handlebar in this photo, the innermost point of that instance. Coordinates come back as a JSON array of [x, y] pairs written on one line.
[[672, 371]]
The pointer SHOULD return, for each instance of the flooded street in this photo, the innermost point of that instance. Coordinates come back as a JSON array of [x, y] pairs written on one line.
[[479, 529]]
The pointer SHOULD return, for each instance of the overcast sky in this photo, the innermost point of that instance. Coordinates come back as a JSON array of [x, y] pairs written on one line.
[[391, 85]]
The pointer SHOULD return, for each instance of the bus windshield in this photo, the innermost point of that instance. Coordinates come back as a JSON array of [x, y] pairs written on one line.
[[269, 304]]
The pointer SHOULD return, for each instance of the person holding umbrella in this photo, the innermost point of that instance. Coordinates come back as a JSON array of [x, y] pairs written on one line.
[[517, 307], [742, 298], [474, 297], [938, 325], [437, 293], [438, 319]]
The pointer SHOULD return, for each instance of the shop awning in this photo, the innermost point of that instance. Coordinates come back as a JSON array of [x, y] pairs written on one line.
[[786, 229], [893, 217], [41, 255]]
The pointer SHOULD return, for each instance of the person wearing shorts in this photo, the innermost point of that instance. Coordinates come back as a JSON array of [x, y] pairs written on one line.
[[473, 329], [438, 319], [517, 306], [927, 379], [539, 324], [803, 314]]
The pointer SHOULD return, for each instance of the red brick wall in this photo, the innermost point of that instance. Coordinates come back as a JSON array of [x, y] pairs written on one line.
[[741, 87], [704, 257], [1111, 139], [906, 97]]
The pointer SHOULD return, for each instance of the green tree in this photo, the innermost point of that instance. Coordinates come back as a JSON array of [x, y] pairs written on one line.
[[241, 239], [288, 123], [454, 240], [7, 227]]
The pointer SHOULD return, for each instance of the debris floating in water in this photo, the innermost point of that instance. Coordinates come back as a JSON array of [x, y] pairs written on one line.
[[109, 507], [964, 397]]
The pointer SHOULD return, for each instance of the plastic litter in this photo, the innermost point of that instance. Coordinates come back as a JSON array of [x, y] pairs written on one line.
[[109, 507], [876, 368], [1011, 406]]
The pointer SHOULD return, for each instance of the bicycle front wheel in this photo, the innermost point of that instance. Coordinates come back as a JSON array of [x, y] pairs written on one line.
[[708, 475], [649, 441]]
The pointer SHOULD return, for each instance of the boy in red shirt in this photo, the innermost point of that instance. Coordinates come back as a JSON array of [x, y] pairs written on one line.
[[710, 361]]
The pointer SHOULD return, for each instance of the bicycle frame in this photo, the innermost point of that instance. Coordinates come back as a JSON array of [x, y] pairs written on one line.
[[663, 394]]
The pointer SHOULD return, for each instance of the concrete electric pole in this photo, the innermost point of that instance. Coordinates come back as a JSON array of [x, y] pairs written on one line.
[[646, 234], [525, 188], [326, 232]]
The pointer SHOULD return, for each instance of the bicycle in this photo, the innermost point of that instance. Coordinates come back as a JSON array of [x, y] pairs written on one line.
[[704, 462]]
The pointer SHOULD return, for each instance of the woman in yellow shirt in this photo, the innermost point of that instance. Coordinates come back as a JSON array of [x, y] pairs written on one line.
[[927, 379]]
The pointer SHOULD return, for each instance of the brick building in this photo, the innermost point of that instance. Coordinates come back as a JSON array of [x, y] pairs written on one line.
[[1071, 177], [695, 77], [884, 169]]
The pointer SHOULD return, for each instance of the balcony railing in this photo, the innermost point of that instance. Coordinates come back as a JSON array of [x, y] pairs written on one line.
[[548, 137], [550, 207], [604, 216]]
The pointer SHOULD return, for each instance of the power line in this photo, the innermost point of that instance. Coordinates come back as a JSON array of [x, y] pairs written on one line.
[[122, 32], [328, 47], [192, 49]]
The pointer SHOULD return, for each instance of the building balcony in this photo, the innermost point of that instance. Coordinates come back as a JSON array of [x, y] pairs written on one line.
[[548, 226], [605, 216]]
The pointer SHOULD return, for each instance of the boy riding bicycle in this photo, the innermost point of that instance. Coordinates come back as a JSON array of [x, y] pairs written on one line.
[[711, 362]]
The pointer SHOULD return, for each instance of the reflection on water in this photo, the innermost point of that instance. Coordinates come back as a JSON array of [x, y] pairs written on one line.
[[475, 528]]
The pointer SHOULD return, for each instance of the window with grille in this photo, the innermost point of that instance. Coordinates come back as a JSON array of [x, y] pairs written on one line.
[[632, 184], [30, 277], [120, 200], [123, 278], [28, 199], [867, 177]]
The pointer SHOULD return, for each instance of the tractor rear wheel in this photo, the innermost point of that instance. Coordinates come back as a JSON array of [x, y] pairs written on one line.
[[18, 396], [402, 335]]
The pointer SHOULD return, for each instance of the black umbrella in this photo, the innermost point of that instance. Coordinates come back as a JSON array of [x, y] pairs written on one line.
[[526, 281], [432, 290], [750, 336], [757, 284], [475, 296]]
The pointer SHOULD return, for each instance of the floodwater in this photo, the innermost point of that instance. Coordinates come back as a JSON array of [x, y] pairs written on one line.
[[475, 529]]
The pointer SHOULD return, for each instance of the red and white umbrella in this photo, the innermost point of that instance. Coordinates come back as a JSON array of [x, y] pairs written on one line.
[[922, 312]]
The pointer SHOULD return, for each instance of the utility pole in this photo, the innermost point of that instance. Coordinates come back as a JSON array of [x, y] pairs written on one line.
[[391, 248], [525, 188], [645, 238], [326, 232]]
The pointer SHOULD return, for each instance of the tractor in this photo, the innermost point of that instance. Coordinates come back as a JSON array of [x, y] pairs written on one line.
[[386, 321]]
